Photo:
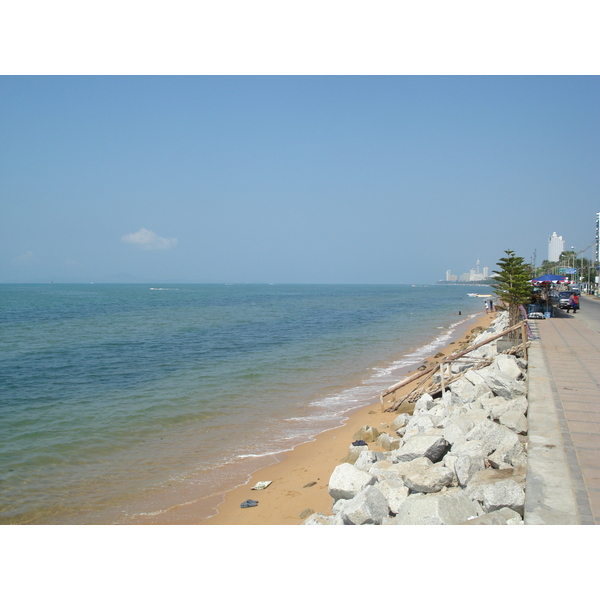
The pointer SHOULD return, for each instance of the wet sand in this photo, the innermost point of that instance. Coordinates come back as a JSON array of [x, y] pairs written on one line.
[[300, 478]]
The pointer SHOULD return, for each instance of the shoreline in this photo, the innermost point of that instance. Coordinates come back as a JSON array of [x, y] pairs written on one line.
[[300, 476]]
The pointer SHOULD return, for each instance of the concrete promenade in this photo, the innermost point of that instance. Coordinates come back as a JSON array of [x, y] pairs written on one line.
[[563, 477]]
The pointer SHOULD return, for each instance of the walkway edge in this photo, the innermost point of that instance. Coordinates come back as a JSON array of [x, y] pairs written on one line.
[[549, 495]]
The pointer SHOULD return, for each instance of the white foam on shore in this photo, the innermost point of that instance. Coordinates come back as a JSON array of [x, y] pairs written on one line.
[[326, 413]]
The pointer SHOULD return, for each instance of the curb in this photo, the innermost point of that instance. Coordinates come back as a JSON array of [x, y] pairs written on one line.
[[549, 494]]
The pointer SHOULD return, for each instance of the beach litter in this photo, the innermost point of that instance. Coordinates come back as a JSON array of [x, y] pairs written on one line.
[[261, 485], [249, 504]]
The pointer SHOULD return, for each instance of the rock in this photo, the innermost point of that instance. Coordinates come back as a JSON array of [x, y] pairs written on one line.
[[432, 447], [321, 519], [387, 442], [463, 391], [418, 424], [459, 426], [366, 460], [427, 478], [508, 365], [494, 489], [511, 455], [504, 493], [493, 434], [515, 421], [395, 492], [503, 385], [466, 459], [346, 481], [518, 404], [435, 509], [368, 507], [353, 453], [388, 471], [367, 434], [338, 506], [400, 421], [306, 513], [504, 516], [424, 403]]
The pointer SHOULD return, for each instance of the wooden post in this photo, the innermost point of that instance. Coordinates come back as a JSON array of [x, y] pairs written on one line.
[[524, 338], [442, 375]]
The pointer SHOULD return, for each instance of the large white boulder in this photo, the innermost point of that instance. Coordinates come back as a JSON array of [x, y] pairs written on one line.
[[367, 434], [387, 442], [367, 459], [368, 507], [346, 481], [466, 459], [424, 403], [395, 492], [508, 365], [427, 478], [503, 385], [321, 519], [400, 421], [515, 421], [459, 426], [494, 489], [432, 446], [519, 404], [420, 423], [435, 509], [493, 434], [503, 516]]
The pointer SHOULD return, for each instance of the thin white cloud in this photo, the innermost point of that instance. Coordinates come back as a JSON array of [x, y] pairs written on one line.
[[24, 258], [148, 240]]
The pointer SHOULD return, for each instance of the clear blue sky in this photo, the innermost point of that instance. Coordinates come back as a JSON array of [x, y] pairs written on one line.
[[330, 179]]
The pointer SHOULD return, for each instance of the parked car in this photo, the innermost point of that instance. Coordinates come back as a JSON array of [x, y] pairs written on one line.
[[563, 299]]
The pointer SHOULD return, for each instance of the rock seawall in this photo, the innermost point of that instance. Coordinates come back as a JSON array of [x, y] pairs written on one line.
[[460, 458]]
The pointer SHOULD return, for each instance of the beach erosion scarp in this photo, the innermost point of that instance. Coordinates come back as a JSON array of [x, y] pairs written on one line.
[[300, 480]]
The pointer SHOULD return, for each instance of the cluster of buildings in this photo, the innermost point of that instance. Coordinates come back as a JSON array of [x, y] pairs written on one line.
[[472, 275]]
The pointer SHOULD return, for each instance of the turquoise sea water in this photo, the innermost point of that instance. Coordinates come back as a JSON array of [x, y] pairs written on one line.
[[120, 402]]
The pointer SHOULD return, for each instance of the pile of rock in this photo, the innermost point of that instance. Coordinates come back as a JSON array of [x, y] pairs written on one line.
[[460, 458]]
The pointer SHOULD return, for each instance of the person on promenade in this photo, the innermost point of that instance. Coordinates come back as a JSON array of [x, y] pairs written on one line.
[[574, 302]]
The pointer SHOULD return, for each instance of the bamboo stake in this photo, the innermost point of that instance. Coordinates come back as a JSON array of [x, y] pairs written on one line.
[[412, 378], [524, 338]]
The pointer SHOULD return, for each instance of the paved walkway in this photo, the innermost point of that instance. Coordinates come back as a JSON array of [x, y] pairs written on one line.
[[565, 389]]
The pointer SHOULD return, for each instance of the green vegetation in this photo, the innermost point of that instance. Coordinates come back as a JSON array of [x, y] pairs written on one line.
[[512, 284]]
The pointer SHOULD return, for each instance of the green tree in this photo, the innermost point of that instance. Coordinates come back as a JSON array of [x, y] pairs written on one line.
[[512, 287]]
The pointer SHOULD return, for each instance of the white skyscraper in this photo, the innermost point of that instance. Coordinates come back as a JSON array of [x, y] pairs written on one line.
[[597, 257], [556, 246]]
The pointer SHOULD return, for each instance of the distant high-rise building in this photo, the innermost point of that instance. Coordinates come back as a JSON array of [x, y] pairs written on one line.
[[556, 246], [597, 237]]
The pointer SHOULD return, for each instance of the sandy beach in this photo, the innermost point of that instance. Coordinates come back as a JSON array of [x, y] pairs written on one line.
[[300, 477]]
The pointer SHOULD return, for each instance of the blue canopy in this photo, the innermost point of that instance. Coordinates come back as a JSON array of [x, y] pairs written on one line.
[[549, 278]]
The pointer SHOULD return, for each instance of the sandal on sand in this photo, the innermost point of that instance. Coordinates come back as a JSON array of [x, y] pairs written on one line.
[[249, 503]]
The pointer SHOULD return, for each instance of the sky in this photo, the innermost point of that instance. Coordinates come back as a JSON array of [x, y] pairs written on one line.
[[291, 179]]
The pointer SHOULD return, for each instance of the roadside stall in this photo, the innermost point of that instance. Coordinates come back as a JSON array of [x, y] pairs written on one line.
[[541, 306]]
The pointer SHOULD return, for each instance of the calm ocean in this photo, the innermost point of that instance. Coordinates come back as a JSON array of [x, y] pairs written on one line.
[[118, 402]]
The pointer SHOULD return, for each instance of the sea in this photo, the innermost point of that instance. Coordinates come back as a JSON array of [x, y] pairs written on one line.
[[121, 404]]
